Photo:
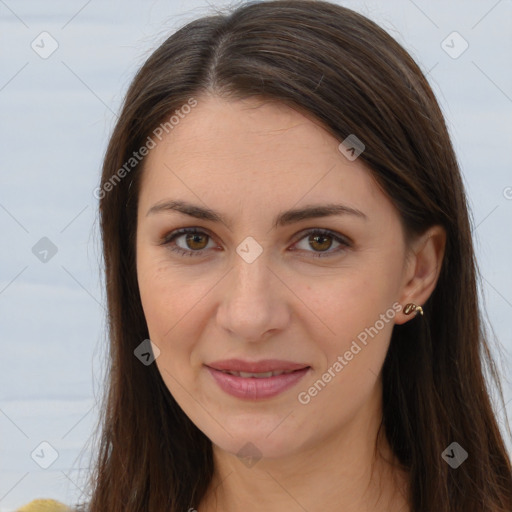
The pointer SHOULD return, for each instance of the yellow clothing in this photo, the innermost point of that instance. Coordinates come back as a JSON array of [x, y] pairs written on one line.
[[44, 506]]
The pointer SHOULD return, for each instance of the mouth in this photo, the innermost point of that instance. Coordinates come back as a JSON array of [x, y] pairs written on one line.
[[250, 384], [256, 367], [262, 375]]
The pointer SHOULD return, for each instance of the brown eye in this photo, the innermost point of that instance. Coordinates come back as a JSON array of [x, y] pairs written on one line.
[[192, 242], [196, 241], [321, 241]]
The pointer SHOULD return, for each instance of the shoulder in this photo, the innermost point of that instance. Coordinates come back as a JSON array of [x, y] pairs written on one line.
[[44, 505]]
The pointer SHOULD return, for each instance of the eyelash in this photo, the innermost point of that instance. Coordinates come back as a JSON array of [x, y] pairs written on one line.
[[167, 241]]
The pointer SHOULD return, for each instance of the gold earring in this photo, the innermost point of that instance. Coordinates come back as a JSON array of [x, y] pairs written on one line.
[[409, 308]]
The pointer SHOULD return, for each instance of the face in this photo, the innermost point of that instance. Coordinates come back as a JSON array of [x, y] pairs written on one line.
[[250, 280]]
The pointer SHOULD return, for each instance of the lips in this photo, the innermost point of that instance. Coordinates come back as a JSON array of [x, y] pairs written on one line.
[[256, 380]]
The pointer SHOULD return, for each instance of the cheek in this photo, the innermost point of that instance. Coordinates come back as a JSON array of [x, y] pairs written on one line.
[[155, 298], [358, 309], [168, 311], [168, 299], [354, 299], [173, 303], [349, 376]]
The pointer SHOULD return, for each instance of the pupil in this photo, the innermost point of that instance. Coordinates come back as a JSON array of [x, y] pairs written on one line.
[[193, 237], [322, 237]]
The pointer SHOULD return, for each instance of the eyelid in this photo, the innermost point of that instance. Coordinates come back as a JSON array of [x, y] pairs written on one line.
[[344, 241]]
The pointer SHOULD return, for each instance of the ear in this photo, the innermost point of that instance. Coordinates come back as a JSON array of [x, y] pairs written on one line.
[[422, 267]]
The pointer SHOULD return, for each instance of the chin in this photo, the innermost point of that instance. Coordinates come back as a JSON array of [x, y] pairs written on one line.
[[254, 444]]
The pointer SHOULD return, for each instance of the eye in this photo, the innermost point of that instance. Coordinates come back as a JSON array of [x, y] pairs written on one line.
[[194, 242], [321, 241]]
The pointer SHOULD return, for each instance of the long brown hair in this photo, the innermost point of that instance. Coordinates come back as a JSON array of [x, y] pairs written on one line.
[[350, 75]]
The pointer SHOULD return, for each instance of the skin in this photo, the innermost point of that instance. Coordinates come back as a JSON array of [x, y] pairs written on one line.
[[249, 160]]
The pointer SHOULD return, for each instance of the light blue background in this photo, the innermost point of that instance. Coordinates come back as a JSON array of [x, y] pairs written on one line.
[[56, 116]]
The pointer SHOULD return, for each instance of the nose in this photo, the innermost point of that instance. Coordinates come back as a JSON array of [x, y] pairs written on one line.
[[254, 301]]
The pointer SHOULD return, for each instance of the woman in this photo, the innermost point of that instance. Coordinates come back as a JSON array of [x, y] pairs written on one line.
[[283, 216]]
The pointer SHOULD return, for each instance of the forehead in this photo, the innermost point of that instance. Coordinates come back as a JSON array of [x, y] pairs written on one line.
[[218, 128], [256, 154]]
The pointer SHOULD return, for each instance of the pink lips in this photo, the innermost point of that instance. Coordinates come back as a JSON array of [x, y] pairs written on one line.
[[256, 387]]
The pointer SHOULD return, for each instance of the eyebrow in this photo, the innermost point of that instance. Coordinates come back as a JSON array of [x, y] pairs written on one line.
[[284, 218]]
